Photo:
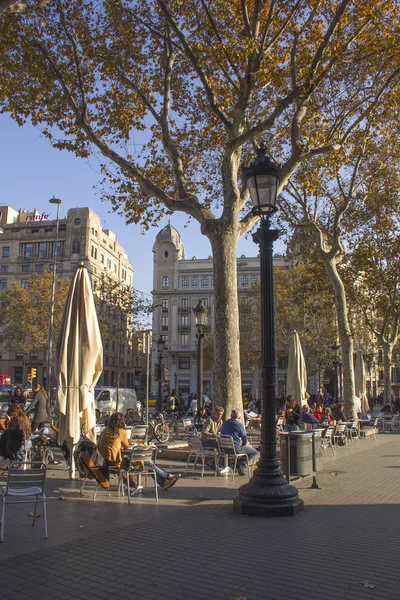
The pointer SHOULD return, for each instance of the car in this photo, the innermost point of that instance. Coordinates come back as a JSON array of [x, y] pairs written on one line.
[[105, 399]]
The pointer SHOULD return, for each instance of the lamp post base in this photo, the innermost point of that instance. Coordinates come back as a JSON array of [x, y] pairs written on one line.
[[268, 495]]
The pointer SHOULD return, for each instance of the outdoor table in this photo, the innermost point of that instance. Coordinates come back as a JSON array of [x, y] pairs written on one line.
[[143, 454]]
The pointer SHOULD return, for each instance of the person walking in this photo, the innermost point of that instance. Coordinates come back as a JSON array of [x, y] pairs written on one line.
[[39, 405]]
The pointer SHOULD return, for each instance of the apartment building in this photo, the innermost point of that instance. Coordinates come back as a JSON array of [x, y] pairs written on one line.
[[178, 283], [28, 244]]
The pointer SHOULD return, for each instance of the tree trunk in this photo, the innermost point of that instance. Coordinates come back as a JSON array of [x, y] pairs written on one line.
[[345, 336], [227, 376], [387, 348]]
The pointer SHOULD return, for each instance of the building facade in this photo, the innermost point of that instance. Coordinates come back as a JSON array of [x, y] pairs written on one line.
[[178, 284], [28, 244]]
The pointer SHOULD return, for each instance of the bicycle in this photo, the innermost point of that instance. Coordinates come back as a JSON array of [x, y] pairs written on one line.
[[159, 426]]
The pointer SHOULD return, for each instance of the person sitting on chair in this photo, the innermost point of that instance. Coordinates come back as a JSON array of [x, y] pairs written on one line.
[[19, 422], [200, 418], [236, 430], [211, 428], [307, 418], [114, 439], [337, 413]]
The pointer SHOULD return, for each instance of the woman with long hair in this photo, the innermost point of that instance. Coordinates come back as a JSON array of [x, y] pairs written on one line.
[[19, 422], [292, 414], [114, 440]]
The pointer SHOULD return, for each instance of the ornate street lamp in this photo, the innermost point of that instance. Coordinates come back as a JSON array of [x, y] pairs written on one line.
[[200, 318], [49, 385], [336, 354], [160, 347], [267, 494]]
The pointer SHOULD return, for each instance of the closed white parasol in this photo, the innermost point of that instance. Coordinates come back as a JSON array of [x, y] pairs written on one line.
[[79, 363]]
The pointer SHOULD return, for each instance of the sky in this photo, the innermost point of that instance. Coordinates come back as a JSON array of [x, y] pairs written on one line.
[[31, 172]]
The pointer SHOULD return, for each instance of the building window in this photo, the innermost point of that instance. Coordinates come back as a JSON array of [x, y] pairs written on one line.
[[76, 247], [5, 252], [254, 280], [73, 266], [195, 282], [18, 375], [42, 252], [245, 280], [184, 321], [185, 303], [19, 356], [108, 263], [165, 282], [205, 302], [26, 268], [164, 323], [39, 268], [204, 281], [4, 268], [185, 282], [164, 306], [184, 362], [3, 284], [77, 221], [102, 259], [24, 284], [115, 268], [283, 362], [165, 338], [123, 272], [26, 250], [60, 249], [212, 281], [184, 339]]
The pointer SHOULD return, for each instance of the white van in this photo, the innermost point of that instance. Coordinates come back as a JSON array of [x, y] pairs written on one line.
[[106, 400]]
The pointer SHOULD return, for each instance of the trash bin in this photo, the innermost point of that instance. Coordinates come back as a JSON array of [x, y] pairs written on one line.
[[317, 449], [301, 452]]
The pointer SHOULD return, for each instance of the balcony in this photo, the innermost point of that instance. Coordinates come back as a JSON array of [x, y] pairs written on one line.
[[183, 310], [183, 348], [184, 328]]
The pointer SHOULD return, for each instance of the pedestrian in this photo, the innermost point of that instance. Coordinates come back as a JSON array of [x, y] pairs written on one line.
[[39, 406], [18, 399], [180, 405]]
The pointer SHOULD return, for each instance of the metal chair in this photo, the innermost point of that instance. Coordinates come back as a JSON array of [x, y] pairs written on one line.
[[197, 450], [340, 433], [24, 482], [145, 456], [227, 448], [139, 432], [327, 440], [353, 432]]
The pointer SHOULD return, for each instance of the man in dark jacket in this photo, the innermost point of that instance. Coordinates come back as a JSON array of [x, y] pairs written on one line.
[[338, 414], [306, 417], [39, 405]]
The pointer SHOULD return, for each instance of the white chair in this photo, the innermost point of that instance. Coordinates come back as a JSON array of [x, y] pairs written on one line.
[[340, 434], [371, 429], [25, 484], [139, 432], [353, 432], [327, 440], [197, 450], [147, 457], [227, 448]]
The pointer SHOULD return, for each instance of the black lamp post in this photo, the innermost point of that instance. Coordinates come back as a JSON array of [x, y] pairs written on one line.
[[336, 351], [267, 494], [200, 316], [137, 373], [160, 348]]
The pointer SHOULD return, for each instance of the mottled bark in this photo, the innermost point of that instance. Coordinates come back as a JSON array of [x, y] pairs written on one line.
[[387, 348], [345, 335], [227, 376]]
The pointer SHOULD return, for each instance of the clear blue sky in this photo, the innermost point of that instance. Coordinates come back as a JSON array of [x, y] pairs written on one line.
[[32, 171]]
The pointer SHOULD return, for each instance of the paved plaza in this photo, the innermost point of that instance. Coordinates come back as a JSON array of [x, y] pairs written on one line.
[[193, 546]]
